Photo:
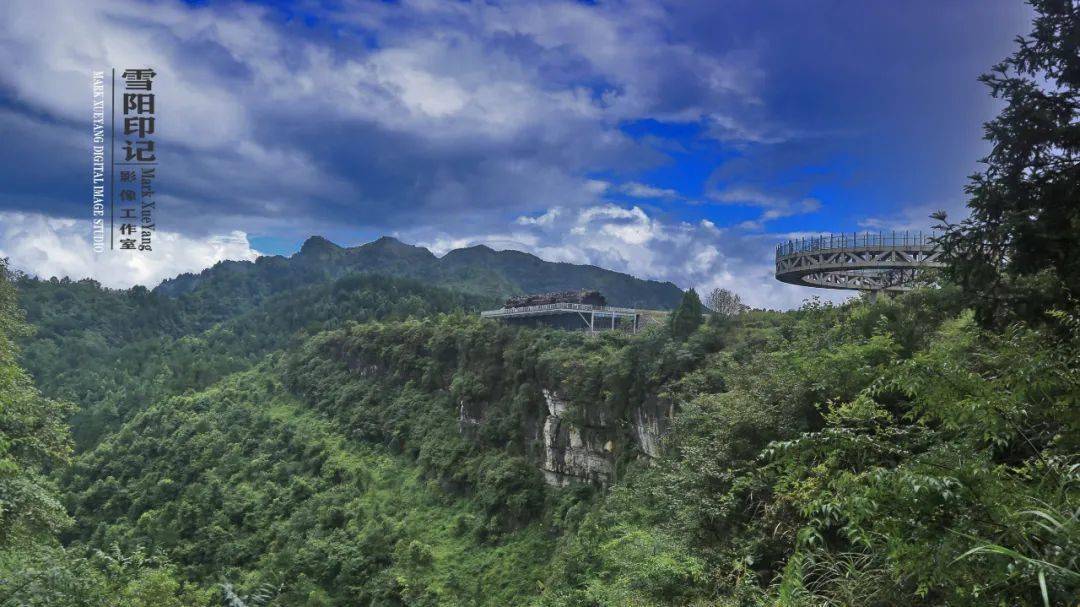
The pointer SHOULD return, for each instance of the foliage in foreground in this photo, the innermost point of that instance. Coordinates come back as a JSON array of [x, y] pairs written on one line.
[[1015, 255], [34, 568], [942, 470]]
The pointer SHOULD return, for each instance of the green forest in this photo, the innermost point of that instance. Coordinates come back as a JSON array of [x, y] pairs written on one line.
[[265, 435]]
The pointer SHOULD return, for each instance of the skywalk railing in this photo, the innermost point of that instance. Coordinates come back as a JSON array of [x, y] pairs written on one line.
[[558, 307], [856, 240]]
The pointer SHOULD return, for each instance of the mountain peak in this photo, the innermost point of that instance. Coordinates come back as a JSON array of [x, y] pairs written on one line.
[[316, 245], [387, 241], [470, 251], [392, 246]]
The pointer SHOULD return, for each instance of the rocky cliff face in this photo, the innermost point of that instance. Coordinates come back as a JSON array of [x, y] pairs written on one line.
[[583, 447], [573, 452], [496, 406], [650, 425]]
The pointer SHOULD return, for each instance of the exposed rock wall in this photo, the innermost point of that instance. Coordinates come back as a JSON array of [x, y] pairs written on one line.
[[582, 447], [651, 421], [572, 452]]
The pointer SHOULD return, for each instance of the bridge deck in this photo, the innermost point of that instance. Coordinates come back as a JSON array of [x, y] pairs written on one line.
[[594, 317]]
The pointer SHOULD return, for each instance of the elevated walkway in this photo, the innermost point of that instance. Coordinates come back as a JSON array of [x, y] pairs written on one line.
[[863, 262], [572, 316]]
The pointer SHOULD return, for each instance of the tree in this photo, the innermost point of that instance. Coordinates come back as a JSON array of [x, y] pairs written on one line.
[[1019, 251], [33, 435], [724, 302], [687, 317]]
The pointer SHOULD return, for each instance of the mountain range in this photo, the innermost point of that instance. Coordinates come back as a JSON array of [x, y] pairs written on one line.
[[478, 270]]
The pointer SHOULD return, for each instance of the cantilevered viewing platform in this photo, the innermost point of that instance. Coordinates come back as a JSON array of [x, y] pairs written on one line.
[[864, 262], [573, 316]]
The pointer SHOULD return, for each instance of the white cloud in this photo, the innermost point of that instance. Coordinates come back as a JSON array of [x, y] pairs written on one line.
[[915, 217], [748, 196], [728, 129], [641, 190], [773, 206], [545, 219], [48, 247], [518, 241]]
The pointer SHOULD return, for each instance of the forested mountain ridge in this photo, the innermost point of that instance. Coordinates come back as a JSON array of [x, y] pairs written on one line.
[[478, 269], [116, 351]]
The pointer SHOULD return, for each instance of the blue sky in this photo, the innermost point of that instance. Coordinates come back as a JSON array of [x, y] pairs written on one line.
[[676, 141]]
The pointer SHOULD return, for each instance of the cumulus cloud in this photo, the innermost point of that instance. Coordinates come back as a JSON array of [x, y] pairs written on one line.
[[506, 107], [47, 247], [544, 219], [641, 190]]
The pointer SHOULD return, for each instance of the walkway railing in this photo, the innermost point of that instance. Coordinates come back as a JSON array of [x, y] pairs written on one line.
[[855, 240], [573, 307]]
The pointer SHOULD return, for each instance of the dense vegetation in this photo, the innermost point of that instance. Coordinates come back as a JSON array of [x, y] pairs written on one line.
[[260, 491], [122, 349], [265, 434], [853, 455]]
